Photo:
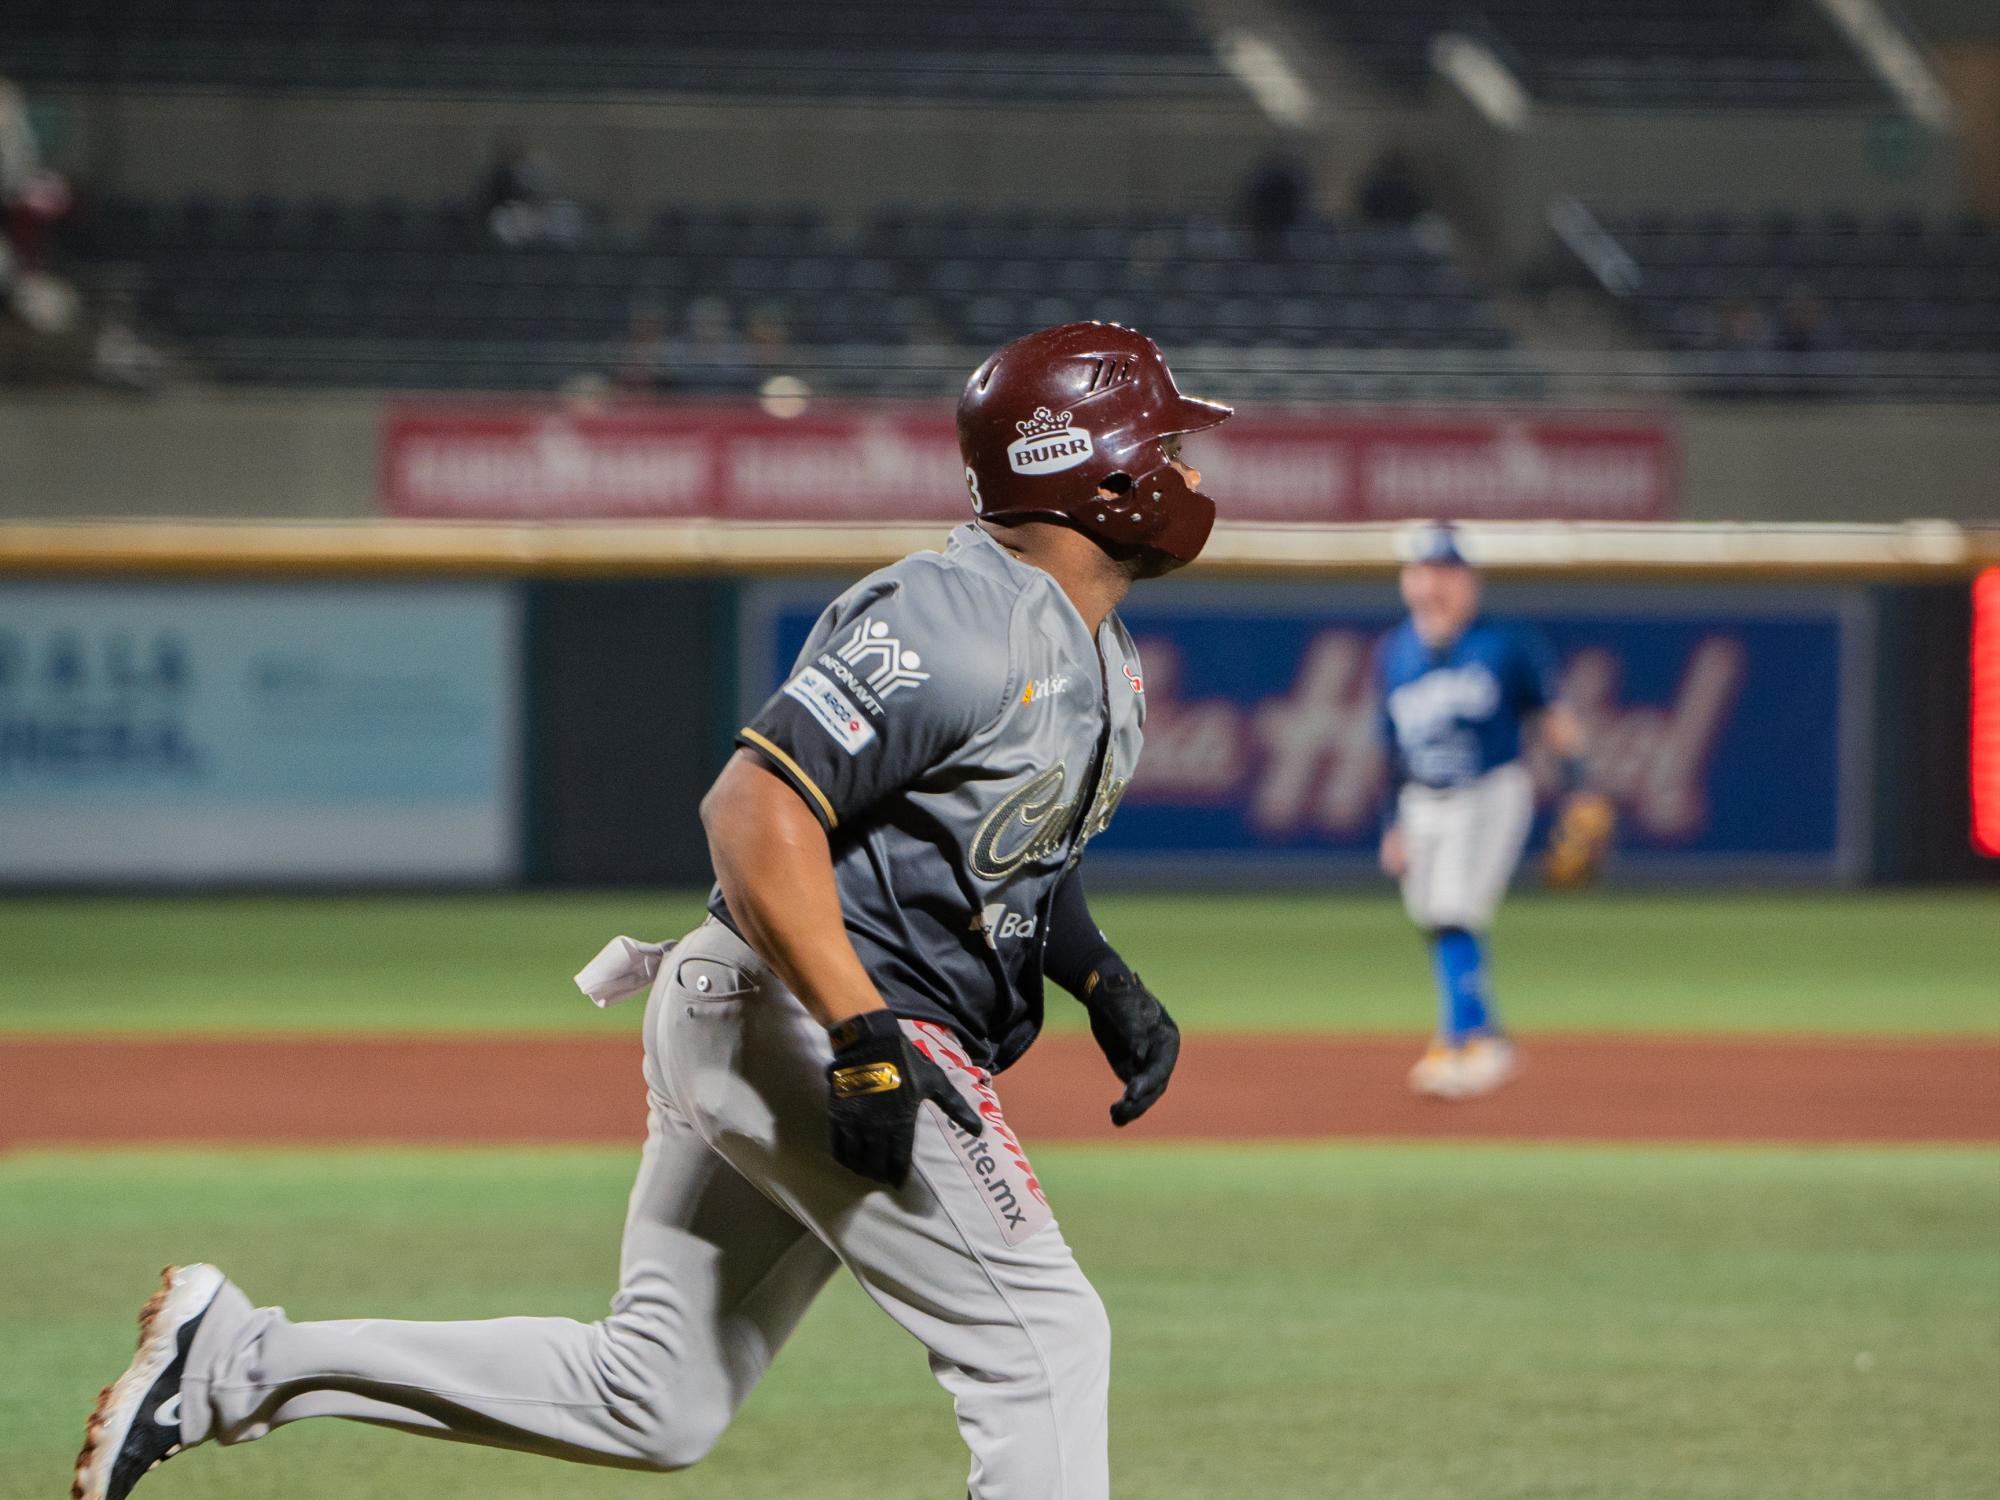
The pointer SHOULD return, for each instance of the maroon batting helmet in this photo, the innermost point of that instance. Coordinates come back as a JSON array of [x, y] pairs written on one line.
[[1060, 416]]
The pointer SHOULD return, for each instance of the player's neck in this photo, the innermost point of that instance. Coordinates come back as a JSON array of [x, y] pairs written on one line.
[[1441, 633], [1093, 580]]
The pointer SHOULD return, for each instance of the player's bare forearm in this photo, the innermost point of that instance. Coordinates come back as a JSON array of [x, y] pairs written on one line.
[[1561, 730], [776, 871]]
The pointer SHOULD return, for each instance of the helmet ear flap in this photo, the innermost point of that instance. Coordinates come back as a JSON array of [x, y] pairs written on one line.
[[1179, 517], [1156, 510]]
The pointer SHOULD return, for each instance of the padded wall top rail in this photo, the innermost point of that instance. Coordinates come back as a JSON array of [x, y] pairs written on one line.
[[1551, 550]]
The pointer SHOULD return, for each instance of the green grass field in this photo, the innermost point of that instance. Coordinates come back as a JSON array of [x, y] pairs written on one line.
[[1382, 1323], [1920, 962], [1367, 1322]]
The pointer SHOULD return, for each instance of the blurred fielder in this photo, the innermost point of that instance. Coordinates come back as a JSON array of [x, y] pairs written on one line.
[[896, 844], [1459, 695]]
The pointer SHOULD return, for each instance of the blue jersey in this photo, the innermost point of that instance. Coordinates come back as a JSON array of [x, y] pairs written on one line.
[[1453, 714]]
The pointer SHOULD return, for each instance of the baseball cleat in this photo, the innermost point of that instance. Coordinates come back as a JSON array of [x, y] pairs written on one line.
[[1484, 1063], [1464, 1070], [137, 1424], [1436, 1072]]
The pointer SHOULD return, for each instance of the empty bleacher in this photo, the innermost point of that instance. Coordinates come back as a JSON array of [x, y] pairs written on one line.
[[1733, 54], [385, 294], [1885, 306], [1890, 284], [866, 48]]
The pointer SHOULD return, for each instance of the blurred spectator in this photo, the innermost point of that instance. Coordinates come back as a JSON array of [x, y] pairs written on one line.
[[1805, 326], [771, 339], [647, 361], [708, 360], [780, 391], [1740, 327], [522, 203], [1275, 201], [32, 202], [1740, 334], [1389, 192], [713, 360], [20, 153], [118, 355]]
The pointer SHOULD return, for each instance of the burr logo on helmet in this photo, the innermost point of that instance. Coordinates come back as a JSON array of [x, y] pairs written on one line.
[[1048, 444]]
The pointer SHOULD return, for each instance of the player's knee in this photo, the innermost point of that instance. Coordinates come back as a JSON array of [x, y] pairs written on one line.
[[1458, 918], [1082, 1368], [1097, 1340], [684, 1436]]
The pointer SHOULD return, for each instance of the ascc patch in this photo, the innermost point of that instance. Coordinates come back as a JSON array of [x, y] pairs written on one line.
[[835, 711], [994, 1161]]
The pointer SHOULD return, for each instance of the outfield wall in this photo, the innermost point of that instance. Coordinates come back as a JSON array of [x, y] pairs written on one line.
[[495, 706]]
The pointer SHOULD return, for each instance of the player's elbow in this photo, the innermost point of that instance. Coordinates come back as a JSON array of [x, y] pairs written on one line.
[[714, 808], [749, 810], [729, 806], [1562, 730]]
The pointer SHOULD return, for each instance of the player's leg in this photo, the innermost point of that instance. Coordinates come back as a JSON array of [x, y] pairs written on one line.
[[966, 1255], [714, 1278], [1428, 818], [1486, 835]]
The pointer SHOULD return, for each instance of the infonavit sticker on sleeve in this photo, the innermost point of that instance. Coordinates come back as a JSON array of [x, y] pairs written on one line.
[[1048, 444], [835, 711]]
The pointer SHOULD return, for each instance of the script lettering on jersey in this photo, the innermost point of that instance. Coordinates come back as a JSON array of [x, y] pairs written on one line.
[[1025, 826], [1034, 823], [1431, 716], [1437, 700]]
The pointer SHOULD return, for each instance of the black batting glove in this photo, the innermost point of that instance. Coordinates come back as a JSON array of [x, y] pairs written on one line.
[[1137, 1036], [875, 1084]]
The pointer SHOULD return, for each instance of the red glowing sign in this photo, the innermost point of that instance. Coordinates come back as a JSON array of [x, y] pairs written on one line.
[[1986, 712]]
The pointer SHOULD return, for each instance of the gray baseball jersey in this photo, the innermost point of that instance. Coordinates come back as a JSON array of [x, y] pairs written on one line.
[[961, 736]]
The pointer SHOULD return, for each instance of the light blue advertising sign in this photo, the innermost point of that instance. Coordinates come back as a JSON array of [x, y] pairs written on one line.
[[233, 733]]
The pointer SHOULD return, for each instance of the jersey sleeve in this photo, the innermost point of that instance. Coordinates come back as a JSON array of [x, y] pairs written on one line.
[[1393, 769], [1534, 674], [1378, 680], [897, 675]]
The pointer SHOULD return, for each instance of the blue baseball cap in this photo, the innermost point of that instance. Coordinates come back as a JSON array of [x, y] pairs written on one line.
[[1438, 544]]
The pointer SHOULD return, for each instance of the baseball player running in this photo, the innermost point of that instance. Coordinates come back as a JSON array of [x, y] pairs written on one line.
[[1457, 691], [896, 843]]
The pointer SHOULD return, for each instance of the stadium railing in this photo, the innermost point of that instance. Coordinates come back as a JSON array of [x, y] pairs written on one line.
[[1912, 551]]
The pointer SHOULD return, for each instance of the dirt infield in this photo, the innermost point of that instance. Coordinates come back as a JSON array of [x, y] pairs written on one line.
[[519, 1089]]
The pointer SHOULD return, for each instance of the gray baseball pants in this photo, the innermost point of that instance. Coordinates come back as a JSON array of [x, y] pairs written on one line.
[[738, 1218]]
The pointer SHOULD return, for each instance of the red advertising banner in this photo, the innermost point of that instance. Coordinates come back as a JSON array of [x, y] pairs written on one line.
[[880, 462], [1986, 713]]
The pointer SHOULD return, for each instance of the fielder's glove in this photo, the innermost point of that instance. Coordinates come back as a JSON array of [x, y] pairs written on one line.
[[1580, 840], [875, 1084], [1137, 1036]]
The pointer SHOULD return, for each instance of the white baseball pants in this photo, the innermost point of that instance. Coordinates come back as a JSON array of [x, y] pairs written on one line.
[[738, 1218], [1463, 844]]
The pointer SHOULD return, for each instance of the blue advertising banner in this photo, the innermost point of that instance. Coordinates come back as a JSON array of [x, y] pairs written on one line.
[[1729, 724], [258, 732]]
